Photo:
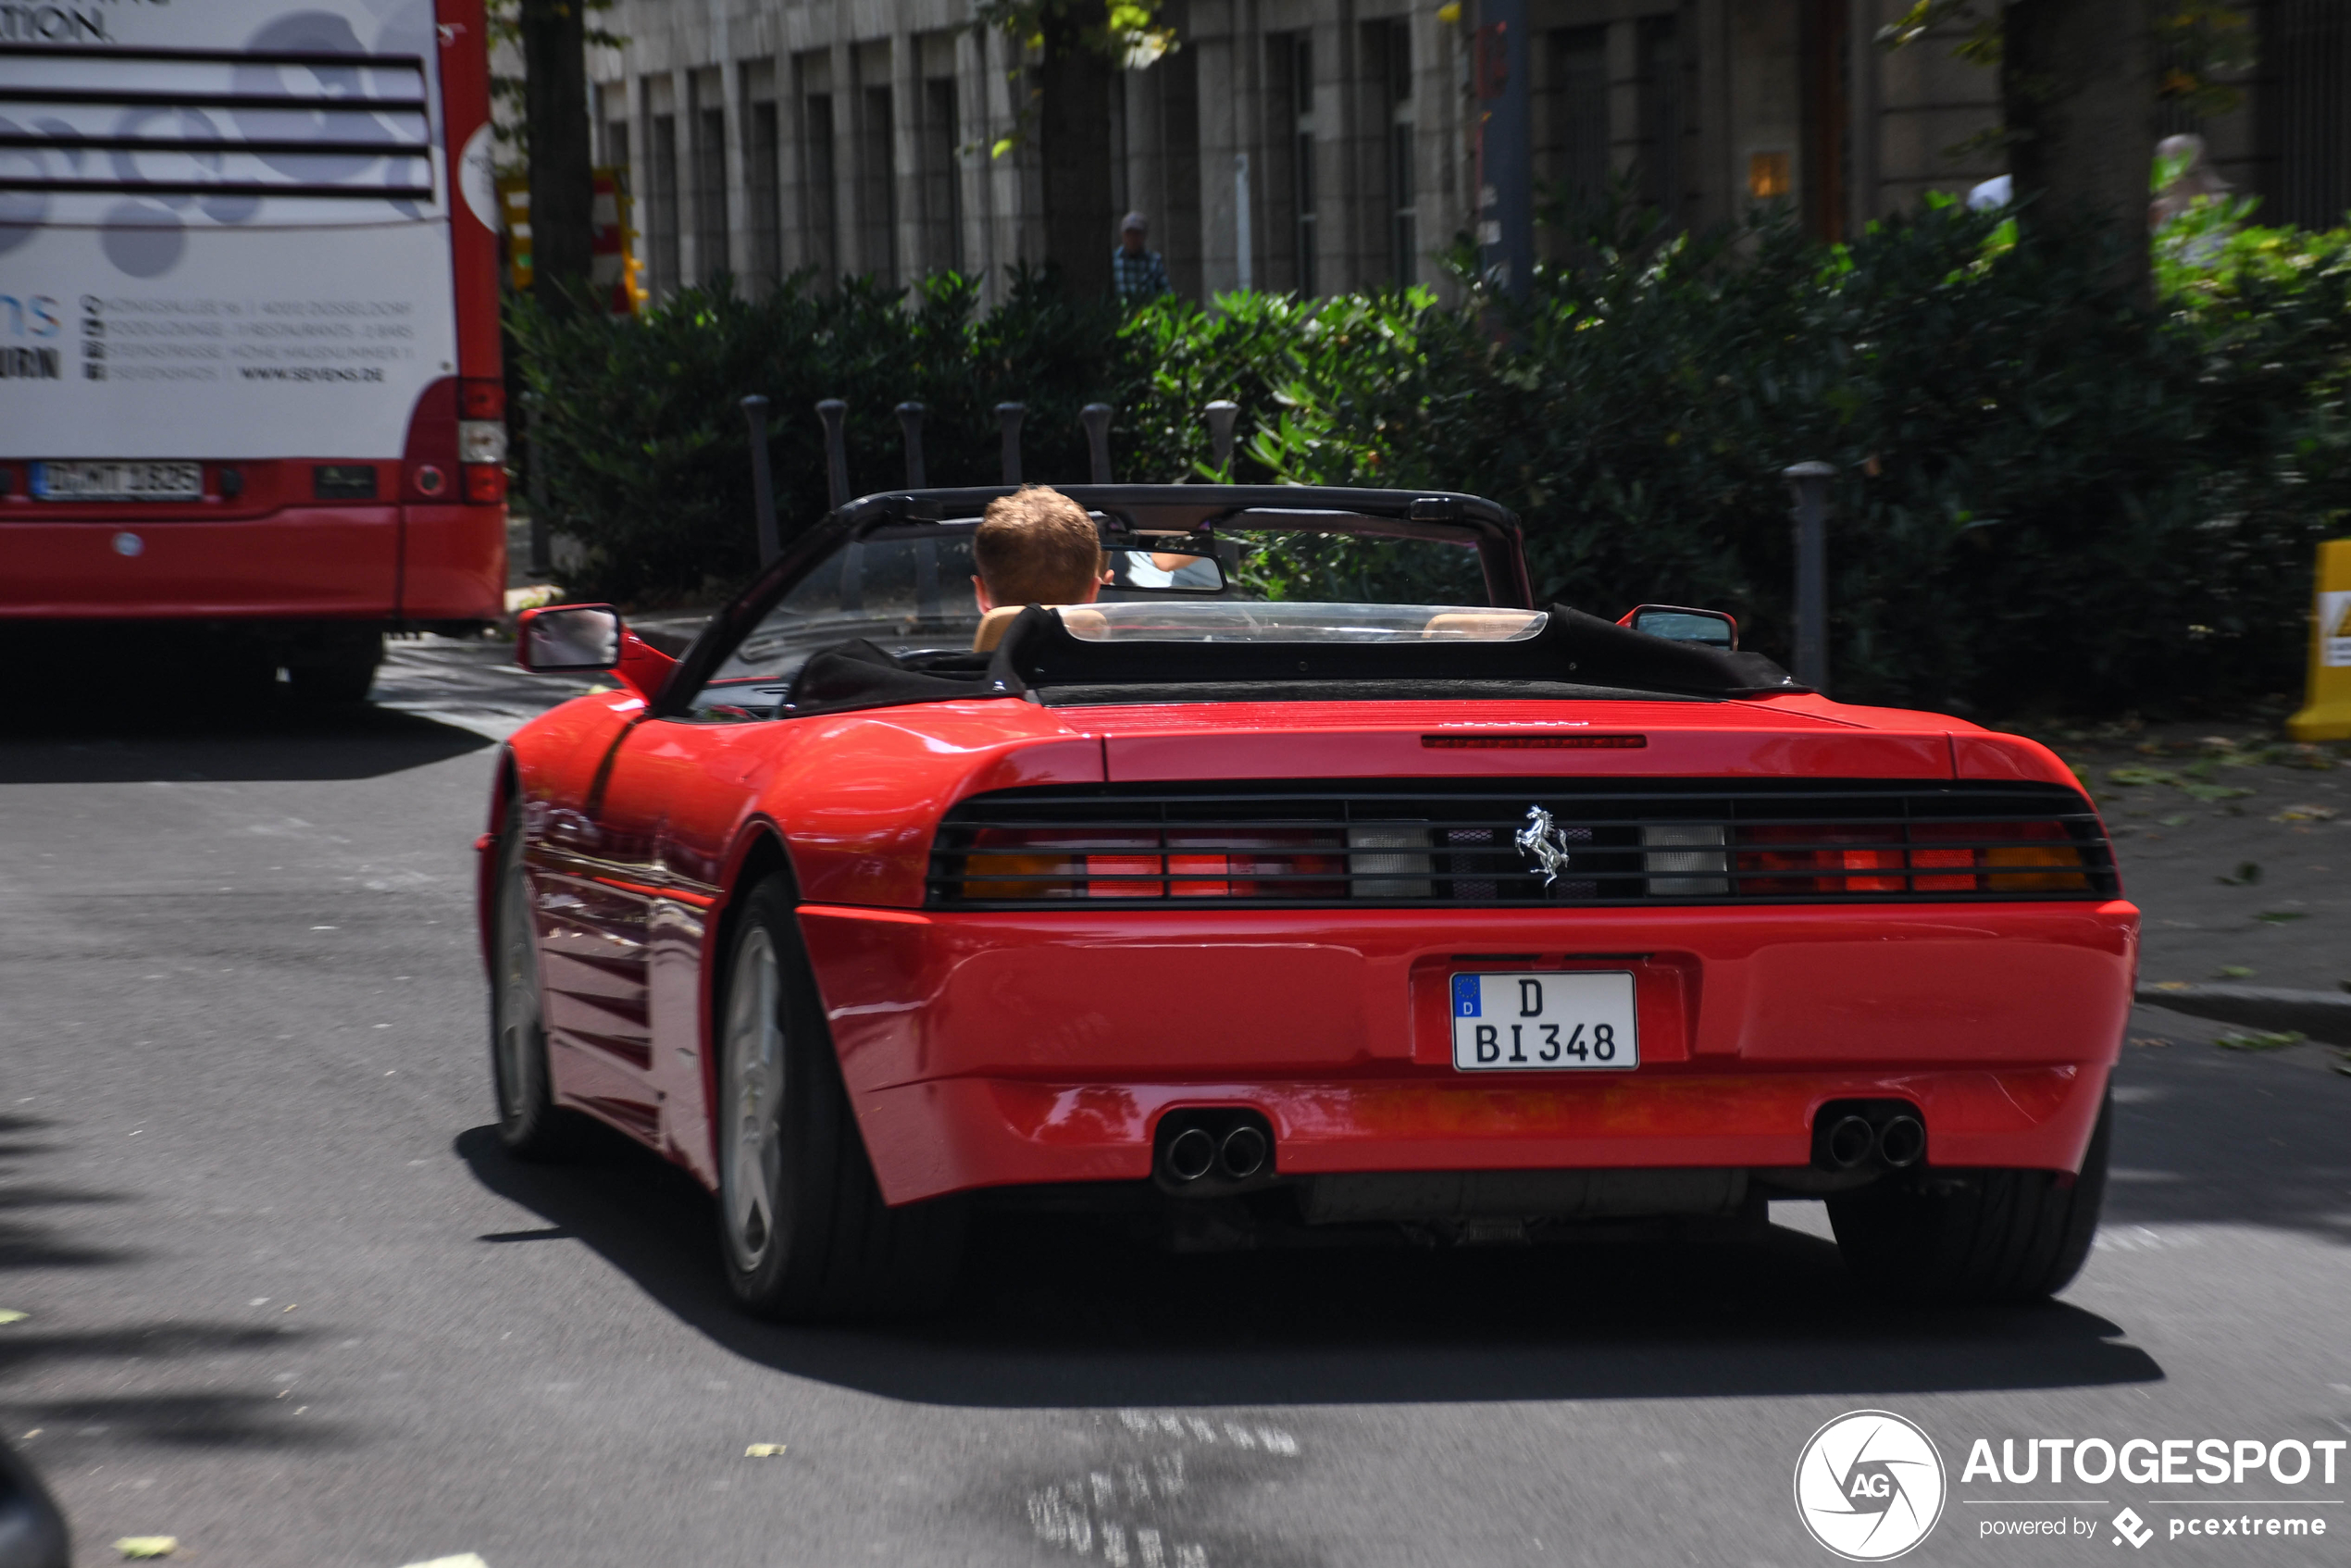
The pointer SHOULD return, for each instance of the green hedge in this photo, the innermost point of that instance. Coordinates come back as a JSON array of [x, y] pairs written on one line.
[[2047, 494]]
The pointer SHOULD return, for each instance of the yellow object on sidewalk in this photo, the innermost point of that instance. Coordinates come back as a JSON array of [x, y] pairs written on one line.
[[2326, 714]]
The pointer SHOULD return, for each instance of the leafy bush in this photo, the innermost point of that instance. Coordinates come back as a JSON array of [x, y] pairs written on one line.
[[639, 428], [2046, 493]]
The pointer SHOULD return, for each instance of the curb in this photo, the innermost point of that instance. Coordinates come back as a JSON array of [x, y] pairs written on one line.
[[2324, 1016]]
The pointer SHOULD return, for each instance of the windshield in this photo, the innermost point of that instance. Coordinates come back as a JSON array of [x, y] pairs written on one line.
[[909, 590]]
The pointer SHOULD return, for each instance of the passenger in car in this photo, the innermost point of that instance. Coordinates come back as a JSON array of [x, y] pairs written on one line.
[[1035, 546]]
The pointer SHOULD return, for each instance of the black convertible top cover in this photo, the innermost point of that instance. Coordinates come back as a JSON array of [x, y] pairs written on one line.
[[1039, 653]]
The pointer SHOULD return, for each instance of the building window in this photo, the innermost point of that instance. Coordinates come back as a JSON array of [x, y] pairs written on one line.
[[1576, 143], [762, 198], [1403, 235], [1827, 143], [942, 186], [1660, 118], [1305, 232], [709, 194], [2305, 113], [819, 193], [876, 188], [661, 202], [1176, 230], [615, 144]]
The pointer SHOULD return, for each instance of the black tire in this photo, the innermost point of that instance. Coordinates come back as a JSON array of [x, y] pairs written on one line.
[[804, 1232], [531, 1125], [245, 673], [1975, 1235], [340, 672]]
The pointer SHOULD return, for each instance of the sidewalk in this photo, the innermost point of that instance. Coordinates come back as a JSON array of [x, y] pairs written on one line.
[[2239, 858], [2241, 861]]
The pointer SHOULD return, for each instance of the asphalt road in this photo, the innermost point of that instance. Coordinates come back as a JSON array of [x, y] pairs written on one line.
[[286, 1301]]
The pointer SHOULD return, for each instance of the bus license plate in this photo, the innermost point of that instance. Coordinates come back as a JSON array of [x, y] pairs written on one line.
[[117, 481], [1530, 1023]]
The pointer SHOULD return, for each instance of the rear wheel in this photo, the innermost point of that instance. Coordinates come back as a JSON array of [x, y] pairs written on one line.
[[1975, 1236], [805, 1232], [529, 1123]]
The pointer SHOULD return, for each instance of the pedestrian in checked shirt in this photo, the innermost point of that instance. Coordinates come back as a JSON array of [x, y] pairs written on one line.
[[1137, 276]]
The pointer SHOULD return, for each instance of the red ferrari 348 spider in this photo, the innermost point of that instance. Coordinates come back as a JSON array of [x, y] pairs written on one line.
[[1313, 878]]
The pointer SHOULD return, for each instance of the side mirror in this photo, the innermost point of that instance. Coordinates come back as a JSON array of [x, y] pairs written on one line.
[[1711, 629], [564, 637]]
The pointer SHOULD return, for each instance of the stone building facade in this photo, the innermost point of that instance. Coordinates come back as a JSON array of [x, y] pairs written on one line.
[[1322, 145]]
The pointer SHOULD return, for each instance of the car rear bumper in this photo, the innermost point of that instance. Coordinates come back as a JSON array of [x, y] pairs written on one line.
[[998, 1049], [384, 562], [955, 1134]]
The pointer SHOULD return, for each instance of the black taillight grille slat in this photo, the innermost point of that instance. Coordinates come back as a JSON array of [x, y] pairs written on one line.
[[1435, 844]]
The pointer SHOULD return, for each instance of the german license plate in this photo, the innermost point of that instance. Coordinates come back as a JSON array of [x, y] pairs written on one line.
[[1528, 1023], [117, 481]]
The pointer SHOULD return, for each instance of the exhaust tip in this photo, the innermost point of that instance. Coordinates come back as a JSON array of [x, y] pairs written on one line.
[[1902, 1142], [1242, 1155], [1190, 1153], [1848, 1143]]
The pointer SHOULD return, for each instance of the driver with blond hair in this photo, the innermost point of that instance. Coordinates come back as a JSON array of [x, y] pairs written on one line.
[[1036, 546]]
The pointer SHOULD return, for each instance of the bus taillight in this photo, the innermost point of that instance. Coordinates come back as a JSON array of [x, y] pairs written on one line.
[[481, 439], [479, 398]]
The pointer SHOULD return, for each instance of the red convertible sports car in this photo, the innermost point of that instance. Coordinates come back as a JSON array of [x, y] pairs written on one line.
[[1312, 878]]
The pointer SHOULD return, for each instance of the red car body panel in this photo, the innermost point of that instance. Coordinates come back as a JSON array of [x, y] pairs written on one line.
[[297, 561], [998, 1048], [1334, 1025]]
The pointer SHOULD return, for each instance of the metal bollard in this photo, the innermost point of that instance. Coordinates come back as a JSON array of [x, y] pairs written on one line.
[[910, 420], [833, 411], [1221, 416], [1096, 418], [543, 545], [1008, 415], [763, 487], [1809, 484]]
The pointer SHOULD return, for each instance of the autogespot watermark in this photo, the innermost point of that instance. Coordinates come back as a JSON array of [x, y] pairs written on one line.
[[1870, 1484]]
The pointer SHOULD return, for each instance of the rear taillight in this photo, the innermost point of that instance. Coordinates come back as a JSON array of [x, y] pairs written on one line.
[[1007, 864], [1699, 870], [1801, 859], [481, 440], [481, 399]]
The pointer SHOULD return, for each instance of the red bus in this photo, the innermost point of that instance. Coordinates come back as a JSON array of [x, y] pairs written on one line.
[[249, 365]]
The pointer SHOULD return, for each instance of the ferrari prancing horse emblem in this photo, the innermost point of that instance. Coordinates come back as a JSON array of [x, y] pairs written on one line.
[[1544, 843]]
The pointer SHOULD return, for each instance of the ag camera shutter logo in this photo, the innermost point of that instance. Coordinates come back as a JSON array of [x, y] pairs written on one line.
[[1870, 1486]]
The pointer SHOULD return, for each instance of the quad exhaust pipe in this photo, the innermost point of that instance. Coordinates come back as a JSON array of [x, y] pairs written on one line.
[[1851, 1134], [1212, 1150], [1191, 1154], [1901, 1142], [1242, 1154], [1849, 1140]]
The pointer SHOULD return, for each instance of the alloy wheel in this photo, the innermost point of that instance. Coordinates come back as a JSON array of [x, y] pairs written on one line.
[[750, 1155], [519, 1033]]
